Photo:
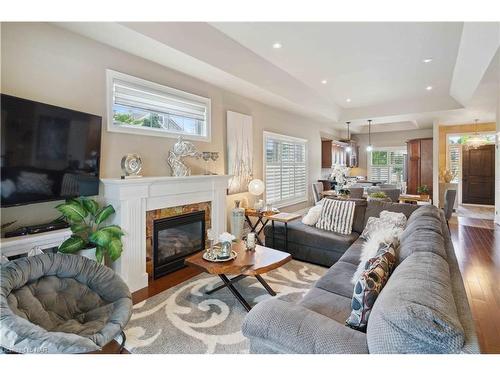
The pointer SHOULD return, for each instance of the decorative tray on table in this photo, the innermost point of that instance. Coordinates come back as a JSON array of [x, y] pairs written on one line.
[[218, 260]]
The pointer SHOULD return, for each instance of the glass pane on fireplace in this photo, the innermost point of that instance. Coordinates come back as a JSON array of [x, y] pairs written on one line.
[[179, 240]]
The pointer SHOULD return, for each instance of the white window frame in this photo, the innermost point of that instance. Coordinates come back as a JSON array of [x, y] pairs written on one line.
[[289, 202], [369, 159], [111, 75]]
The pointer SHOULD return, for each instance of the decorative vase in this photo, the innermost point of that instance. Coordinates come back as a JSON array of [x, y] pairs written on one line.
[[237, 220], [225, 250]]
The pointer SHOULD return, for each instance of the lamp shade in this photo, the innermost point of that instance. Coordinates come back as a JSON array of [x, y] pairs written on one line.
[[256, 187]]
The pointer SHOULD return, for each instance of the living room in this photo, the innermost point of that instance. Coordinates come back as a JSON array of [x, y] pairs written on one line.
[[249, 187]]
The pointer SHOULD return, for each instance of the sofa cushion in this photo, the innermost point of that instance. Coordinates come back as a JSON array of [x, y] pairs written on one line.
[[313, 237], [416, 311], [427, 210], [368, 287], [337, 216], [353, 254], [329, 304], [374, 208], [337, 279], [422, 234]]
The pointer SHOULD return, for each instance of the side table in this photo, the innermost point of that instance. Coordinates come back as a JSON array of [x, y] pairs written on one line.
[[285, 218]]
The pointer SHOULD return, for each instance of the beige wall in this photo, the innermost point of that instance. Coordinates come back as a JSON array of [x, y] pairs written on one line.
[[45, 63], [387, 139]]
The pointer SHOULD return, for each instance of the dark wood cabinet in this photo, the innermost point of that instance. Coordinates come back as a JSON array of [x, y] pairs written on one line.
[[419, 170], [333, 152], [326, 154]]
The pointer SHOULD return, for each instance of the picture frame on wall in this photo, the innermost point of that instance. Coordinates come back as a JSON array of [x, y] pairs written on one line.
[[239, 151]]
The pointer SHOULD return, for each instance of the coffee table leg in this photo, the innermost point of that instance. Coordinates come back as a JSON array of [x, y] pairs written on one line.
[[233, 290], [265, 285], [222, 286]]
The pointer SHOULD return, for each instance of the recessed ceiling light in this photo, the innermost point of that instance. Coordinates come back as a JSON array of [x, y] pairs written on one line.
[[277, 45], [428, 88], [426, 61], [348, 100], [324, 81]]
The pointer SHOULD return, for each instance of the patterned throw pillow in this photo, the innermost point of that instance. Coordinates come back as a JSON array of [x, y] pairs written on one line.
[[387, 219], [398, 219], [337, 216], [368, 287]]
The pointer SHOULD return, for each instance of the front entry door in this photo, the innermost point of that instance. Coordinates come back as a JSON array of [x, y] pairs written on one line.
[[478, 175]]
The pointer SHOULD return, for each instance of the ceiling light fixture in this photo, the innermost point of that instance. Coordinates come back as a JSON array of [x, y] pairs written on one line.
[[428, 88], [348, 149], [348, 100], [476, 140], [277, 45], [324, 82], [426, 61], [369, 148]]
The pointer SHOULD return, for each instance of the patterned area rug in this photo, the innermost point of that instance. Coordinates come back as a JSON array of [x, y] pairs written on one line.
[[184, 319]]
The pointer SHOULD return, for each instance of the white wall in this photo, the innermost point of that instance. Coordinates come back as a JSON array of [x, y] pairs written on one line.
[[45, 63]]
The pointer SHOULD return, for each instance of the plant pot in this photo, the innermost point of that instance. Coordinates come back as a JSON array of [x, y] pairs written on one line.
[[387, 199], [89, 253], [424, 196]]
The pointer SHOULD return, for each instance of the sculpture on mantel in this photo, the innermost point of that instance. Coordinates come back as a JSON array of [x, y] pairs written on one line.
[[180, 150]]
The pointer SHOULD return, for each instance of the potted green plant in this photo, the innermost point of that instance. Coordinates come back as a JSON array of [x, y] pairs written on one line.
[[90, 237], [423, 191], [378, 196]]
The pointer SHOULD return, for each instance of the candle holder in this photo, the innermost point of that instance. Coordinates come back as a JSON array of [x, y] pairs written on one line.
[[250, 241]]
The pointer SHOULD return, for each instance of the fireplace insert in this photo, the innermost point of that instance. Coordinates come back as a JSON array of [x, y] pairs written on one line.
[[175, 238]]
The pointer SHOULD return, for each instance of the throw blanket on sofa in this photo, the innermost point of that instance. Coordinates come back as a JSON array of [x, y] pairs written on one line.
[[337, 216]]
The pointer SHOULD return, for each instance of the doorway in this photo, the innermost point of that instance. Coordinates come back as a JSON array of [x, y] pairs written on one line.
[[478, 175]]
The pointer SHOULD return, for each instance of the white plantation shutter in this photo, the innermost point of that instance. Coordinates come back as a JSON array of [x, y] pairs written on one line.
[[285, 169], [389, 168]]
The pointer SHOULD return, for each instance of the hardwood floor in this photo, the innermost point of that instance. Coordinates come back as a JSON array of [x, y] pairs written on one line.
[[477, 245]]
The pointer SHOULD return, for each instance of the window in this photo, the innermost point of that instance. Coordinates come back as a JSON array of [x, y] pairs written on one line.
[[142, 107], [388, 166], [453, 158], [285, 168]]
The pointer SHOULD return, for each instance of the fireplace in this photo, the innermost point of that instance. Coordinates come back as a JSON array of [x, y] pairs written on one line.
[[175, 238]]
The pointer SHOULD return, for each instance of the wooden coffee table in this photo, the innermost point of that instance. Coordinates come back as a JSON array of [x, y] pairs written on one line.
[[247, 263]]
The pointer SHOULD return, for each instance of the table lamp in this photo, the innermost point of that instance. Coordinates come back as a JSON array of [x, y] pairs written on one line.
[[256, 187]]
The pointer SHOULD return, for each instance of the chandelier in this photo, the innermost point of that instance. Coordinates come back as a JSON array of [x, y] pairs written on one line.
[[476, 140]]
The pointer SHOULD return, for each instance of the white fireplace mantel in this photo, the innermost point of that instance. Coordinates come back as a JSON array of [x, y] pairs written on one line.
[[131, 198]]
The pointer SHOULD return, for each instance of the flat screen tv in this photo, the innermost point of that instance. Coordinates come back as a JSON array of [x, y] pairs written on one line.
[[47, 152]]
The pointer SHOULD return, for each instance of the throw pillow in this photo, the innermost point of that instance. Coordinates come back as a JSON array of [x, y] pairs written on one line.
[[398, 219], [312, 216], [337, 216], [386, 220], [378, 241], [369, 287]]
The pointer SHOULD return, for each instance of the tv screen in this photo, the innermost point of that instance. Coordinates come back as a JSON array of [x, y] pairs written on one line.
[[47, 152]]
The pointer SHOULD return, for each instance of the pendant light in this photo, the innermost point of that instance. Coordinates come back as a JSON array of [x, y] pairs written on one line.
[[348, 149], [369, 148], [476, 140]]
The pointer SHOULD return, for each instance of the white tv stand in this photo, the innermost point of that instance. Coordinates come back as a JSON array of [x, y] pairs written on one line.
[[21, 245]]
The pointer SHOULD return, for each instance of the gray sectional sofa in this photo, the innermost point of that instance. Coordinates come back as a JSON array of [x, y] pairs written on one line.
[[423, 308]]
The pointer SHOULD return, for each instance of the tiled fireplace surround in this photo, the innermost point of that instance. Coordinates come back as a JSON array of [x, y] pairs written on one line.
[[163, 196]]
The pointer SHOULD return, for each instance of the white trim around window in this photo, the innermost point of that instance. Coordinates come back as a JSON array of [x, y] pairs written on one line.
[[175, 112], [285, 169]]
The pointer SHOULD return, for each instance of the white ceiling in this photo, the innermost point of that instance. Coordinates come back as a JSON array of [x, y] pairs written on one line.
[[379, 66], [370, 63]]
